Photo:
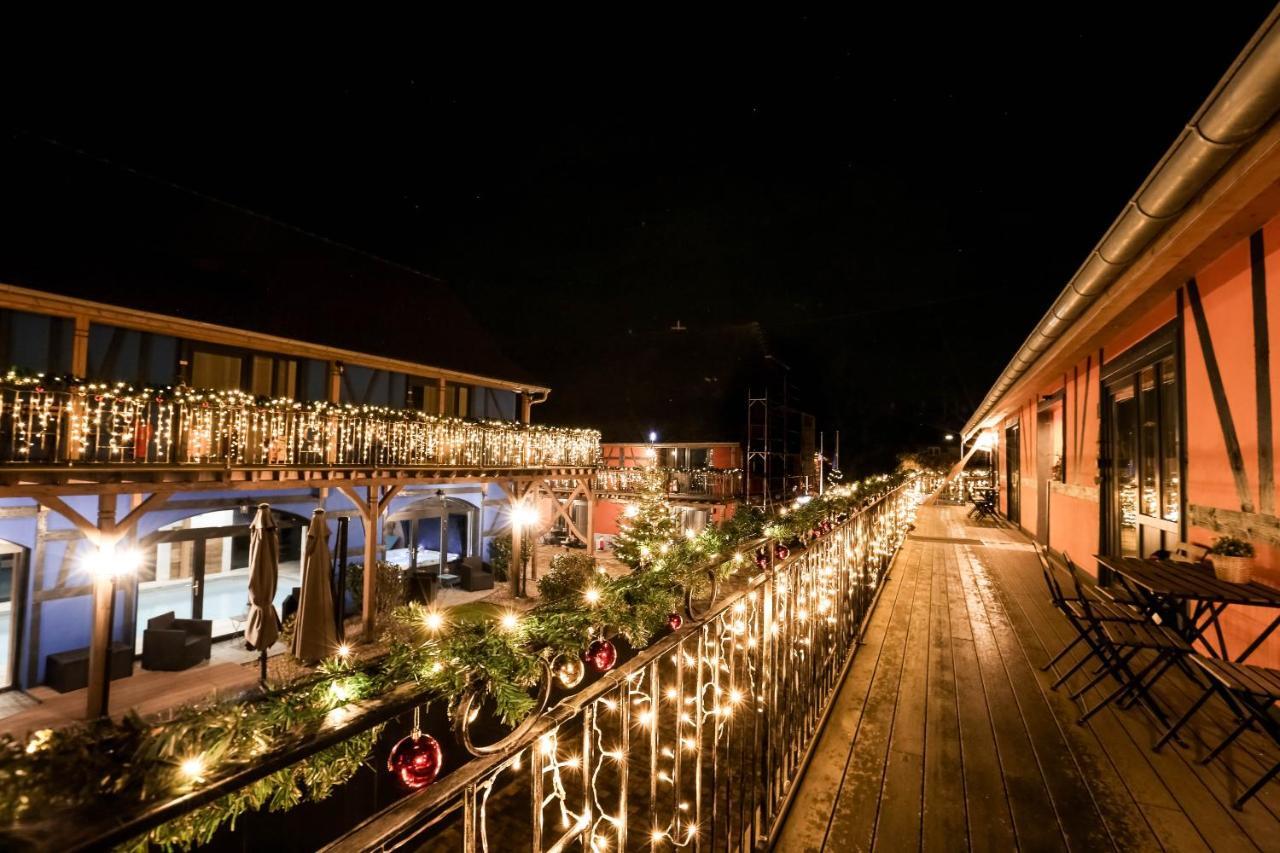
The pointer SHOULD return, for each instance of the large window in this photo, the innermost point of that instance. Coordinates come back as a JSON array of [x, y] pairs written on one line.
[[1143, 433], [199, 568], [127, 355], [35, 343]]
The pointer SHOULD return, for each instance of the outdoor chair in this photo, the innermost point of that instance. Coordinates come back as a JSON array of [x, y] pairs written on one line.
[[1249, 691], [1118, 635], [984, 506], [171, 644], [474, 575], [1083, 613]]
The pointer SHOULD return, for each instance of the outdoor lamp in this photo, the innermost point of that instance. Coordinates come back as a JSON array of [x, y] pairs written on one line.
[[109, 562], [524, 516]]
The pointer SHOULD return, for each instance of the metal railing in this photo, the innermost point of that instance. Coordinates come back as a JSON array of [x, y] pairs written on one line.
[[92, 425], [719, 484], [697, 742]]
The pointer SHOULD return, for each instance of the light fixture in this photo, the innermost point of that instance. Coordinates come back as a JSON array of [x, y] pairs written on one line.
[[109, 562], [523, 515]]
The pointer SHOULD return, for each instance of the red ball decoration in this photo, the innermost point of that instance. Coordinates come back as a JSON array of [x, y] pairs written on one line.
[[602, 655], [781, 551], [416, 760], [674, 621]]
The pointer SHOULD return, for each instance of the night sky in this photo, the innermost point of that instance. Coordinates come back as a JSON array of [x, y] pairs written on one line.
[[895, 201]]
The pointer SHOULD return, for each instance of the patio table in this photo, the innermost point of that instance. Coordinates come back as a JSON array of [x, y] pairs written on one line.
[[1164, 583]]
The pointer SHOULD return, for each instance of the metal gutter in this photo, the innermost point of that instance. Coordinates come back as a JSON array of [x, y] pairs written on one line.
[[1242, 103]]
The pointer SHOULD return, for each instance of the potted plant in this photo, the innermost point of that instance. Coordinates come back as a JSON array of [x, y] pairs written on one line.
[[1232, 559]]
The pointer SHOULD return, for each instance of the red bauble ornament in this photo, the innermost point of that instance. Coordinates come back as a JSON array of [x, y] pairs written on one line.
[[416, 760], [674, 621], [762, 559], [602, 655], [781, 551]]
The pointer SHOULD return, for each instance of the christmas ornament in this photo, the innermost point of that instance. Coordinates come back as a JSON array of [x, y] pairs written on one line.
[[762, 559], [674, 621], [416, 760], [570, 672], [781, 551], [602, 655]]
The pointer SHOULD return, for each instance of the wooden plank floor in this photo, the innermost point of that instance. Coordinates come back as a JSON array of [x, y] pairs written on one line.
[[947, 736]]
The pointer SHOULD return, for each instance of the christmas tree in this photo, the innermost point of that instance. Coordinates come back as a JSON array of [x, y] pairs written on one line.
[[648, 528]]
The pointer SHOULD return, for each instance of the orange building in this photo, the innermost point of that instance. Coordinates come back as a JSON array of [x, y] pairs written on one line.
[[1139, 413], [703, 480]]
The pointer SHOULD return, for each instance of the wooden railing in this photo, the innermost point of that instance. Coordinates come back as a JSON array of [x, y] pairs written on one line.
[[719, 484], [99, 425]]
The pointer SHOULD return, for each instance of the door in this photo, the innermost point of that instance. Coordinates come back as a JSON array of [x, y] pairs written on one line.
[[1143, 455], [1049, 454], [1013, 473]]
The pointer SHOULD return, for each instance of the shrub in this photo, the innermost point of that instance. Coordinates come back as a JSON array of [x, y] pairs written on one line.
[[1229, 546], [568, 576]]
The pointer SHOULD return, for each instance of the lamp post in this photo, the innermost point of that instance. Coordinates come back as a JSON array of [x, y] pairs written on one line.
[[523, 519], [106, 564]]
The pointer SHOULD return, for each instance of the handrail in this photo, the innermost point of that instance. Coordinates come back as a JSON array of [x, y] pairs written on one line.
[[863, 544], [764, 622]]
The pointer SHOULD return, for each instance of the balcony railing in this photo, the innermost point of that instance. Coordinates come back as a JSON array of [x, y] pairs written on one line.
[[718, 484], [99, 425], [696, 742]]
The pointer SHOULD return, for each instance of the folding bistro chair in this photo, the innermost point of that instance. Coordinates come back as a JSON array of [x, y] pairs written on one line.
[[1082, 618], [1118, 635], [1249, 691]]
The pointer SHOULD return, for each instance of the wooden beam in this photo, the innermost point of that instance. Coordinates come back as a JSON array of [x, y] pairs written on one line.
[[152, 503], [591, 517], [359, 503], [100, 633], [370, 616], [1234, 456], [1262, 374], [385, 501], [90, 530]]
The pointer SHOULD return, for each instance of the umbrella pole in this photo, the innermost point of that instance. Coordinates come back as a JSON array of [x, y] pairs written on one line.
[[340, 597], [262, 667]]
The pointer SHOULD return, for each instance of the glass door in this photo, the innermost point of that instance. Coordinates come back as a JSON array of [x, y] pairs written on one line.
[[11, 557], [1143, 468], [1013, 473]]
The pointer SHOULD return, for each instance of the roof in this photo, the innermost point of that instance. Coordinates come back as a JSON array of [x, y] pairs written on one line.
[[85, 229]]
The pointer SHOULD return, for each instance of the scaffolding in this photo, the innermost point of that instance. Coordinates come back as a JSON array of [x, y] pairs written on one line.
[[780, 449]]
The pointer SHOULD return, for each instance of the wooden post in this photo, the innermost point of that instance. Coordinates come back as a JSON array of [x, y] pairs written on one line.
[[370, 516], [526, 407], [80, 347], [591, 517], [516, 570], [103, 601]]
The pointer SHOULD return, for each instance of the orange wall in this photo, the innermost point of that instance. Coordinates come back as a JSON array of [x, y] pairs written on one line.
[[1225, 287]]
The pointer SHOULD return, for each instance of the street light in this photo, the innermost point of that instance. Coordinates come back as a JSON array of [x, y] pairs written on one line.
[[523, 518], [106, 564]]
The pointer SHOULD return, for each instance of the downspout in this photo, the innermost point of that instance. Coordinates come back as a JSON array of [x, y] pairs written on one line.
[[1242, 103]]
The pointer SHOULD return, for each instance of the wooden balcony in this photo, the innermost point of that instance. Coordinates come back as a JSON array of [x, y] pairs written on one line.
[[946, 735], [707, 484], [93, 439]]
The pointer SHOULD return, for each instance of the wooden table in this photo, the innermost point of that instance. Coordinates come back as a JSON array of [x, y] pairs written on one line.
[[1197, 593]]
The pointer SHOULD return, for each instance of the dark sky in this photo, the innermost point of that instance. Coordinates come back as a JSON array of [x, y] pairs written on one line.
[[895, 200]]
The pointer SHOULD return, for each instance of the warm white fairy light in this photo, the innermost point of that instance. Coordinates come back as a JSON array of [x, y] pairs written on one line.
[[433, 620], [591, 596], [193, 768], [510, 621]]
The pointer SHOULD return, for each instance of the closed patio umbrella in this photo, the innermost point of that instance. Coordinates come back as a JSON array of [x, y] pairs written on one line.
[[263, 626], [314, 634]]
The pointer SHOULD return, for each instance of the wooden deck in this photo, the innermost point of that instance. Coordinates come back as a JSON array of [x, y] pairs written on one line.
[[946, 736]]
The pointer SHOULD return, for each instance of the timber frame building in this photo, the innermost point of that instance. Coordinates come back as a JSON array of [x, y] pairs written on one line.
[[1140, 412], [387, 442]]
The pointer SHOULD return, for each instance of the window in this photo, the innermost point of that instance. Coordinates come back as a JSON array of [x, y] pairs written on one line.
[[35, 343], [1143, 434], [127, 355], [215, 370]]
